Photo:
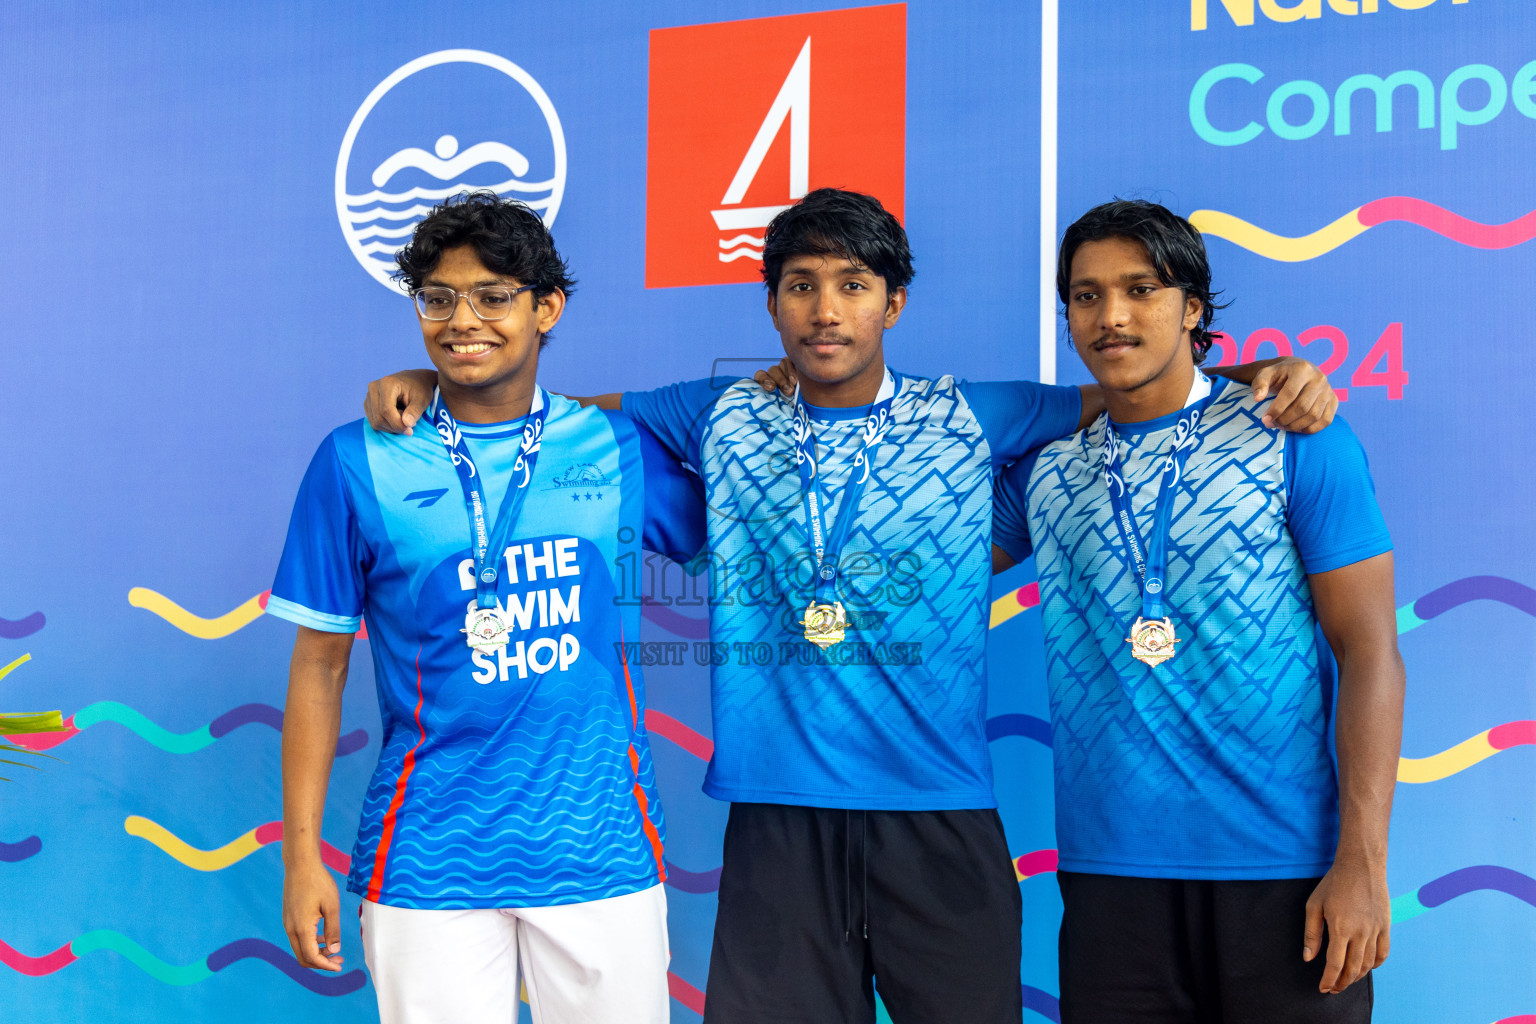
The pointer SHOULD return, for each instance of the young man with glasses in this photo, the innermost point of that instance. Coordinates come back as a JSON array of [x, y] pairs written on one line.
[[512, 818], [1217, 602], [850, 526]]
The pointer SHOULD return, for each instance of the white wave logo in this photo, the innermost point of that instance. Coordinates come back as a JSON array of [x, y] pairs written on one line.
[[377, 223]]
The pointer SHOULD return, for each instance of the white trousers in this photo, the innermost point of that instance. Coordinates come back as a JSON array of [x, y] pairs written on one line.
[[601, 962]]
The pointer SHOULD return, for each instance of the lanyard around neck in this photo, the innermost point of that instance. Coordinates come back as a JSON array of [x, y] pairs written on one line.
[[824, 545], [484, 541], [1152, 566]]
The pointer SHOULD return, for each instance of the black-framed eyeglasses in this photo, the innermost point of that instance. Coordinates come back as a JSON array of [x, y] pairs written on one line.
[[489, 302]]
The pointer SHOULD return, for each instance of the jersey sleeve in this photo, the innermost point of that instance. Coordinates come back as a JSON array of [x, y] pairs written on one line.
[[1010, 525], [1020, 415], [674, 522], [676, 414], [1331, 501], [320, 577]]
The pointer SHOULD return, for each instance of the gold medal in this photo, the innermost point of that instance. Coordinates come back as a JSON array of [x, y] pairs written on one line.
[[1152, 640], [824, 623]]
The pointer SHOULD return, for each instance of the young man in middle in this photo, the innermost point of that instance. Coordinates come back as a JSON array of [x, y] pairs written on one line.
[[850, 532]]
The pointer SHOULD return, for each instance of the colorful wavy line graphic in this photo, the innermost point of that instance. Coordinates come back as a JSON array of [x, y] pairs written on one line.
[[1482, 877], [1009, 605], [195, 625], [685, 993], [181, 974], [1039, 862], [10, 853], [667, 727], [1472, 588], [231, 852], [238, 849], [174, 742], [216, 628], [1042, 1002], [14, 665], [1467, 753], [1359, 220], [22, 627]]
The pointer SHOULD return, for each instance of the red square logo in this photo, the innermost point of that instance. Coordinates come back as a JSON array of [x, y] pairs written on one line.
[[748, 116]]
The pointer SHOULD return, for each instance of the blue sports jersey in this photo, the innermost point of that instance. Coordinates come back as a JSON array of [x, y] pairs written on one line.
[[894, 716], [516, 778], [1217, 763]]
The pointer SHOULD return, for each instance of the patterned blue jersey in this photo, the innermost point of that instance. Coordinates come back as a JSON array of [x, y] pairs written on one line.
[[516, 778], [1216, 764], [894, 716]]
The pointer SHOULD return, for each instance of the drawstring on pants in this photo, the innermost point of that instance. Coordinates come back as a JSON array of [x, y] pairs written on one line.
[[847, 874], [864, 864], [848, 871]]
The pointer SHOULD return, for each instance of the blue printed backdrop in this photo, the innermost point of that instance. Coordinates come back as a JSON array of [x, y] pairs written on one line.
[[187, 321]]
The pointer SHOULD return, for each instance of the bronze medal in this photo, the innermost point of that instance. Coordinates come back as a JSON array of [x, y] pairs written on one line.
[[1152, 640]]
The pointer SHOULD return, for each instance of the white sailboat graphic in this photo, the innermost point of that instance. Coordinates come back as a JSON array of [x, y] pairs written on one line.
[[793, 103]]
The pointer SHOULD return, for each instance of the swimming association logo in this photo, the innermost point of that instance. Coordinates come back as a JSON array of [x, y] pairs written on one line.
[[748, 116], [444, 123]]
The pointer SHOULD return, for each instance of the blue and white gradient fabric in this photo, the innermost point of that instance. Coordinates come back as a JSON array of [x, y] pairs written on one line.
[[893, 717], [1216, 764], [510, 779]]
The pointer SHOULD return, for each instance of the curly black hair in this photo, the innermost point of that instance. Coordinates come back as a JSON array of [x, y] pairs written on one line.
[[508, 236], [1175, 248], [836, 222]]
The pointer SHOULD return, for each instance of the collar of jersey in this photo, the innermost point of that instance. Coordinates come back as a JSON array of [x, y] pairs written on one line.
[[492, 431], [852, 412], [822, 412], [1163, 422]]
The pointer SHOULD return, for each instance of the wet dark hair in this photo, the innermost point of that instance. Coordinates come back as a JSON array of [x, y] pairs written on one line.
[[508, 236], [1175, 248], [835, 222]]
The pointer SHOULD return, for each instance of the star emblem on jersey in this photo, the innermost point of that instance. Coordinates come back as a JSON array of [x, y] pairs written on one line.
[[1152, 640], [824, 623]]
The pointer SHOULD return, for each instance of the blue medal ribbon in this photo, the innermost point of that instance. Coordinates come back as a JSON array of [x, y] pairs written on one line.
[[484, 541], [1151, 562], [827, 546]]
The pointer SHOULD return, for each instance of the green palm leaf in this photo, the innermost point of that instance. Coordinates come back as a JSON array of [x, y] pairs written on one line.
[[40, 721], [19, 724]]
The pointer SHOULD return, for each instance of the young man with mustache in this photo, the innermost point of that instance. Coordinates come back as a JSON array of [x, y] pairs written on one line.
[[850, 527], [1217, 598]]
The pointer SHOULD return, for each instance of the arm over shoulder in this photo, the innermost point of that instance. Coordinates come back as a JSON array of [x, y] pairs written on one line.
[[676, 414], [1019, 415], [674, 495]]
